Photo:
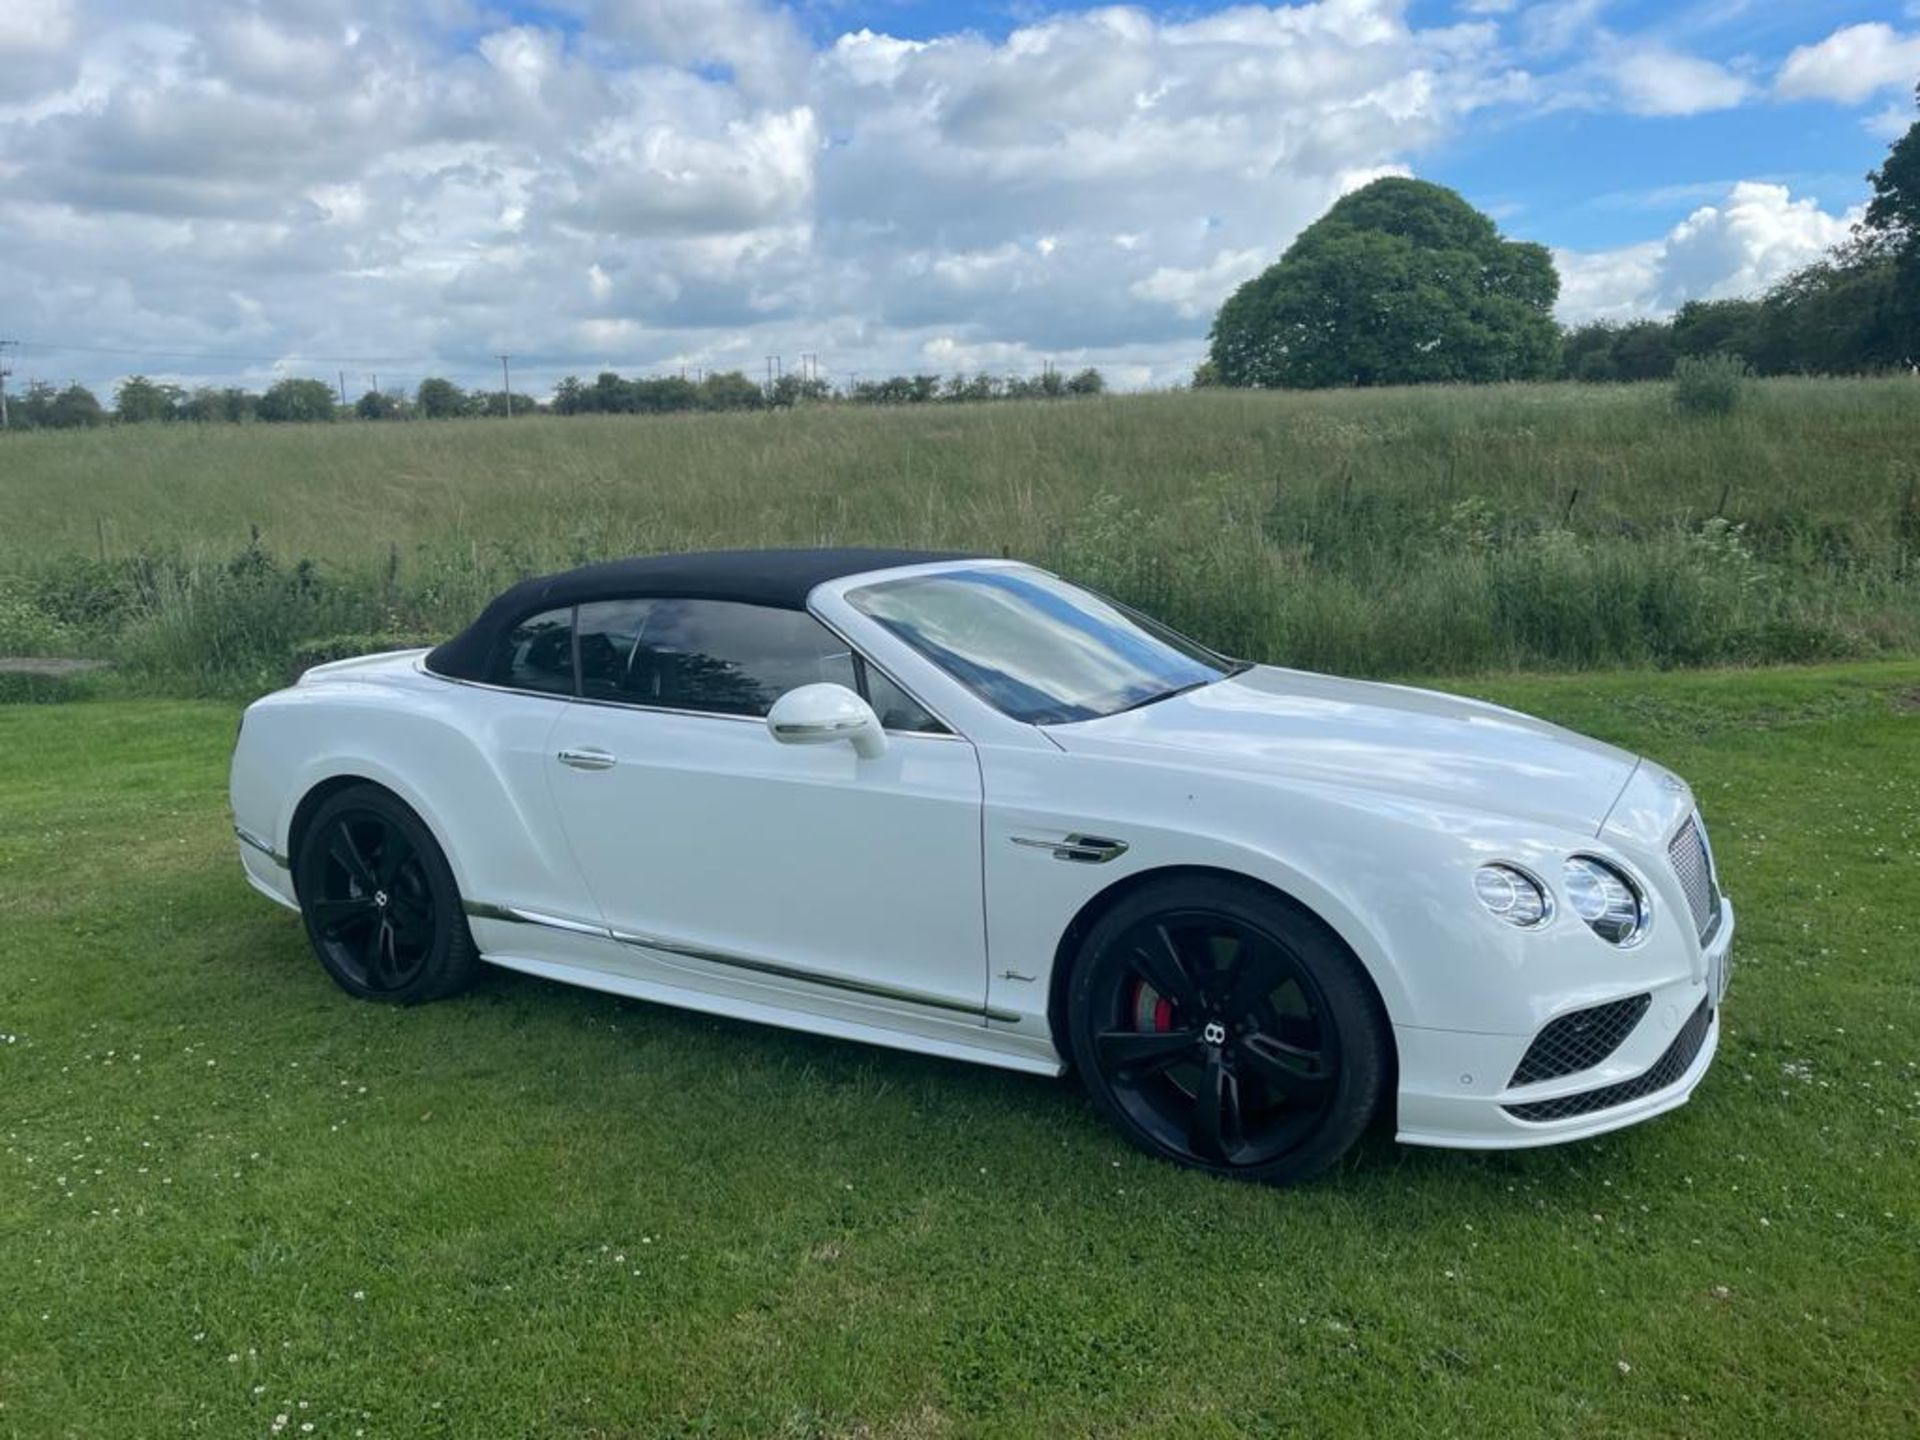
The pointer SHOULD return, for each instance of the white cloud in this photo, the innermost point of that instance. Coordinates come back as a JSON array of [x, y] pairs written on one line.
[[757, 41], [1851, 64], [687, 180], [658, 182], [1550, 27], [1197, 292], [1754, 237], [1890, 123], [1653, 80], [36, 39]]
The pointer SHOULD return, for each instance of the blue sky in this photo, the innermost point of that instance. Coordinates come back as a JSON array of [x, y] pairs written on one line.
[[231, 190]]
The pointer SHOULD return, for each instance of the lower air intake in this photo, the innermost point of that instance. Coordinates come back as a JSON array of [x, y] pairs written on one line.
[[1580, 1040], [1662, 1073]]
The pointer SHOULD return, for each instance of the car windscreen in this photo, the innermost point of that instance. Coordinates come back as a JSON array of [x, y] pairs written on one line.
[[1035, 647]]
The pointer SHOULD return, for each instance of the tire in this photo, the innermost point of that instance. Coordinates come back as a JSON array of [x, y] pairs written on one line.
[[382, 911], [1225, 1028]]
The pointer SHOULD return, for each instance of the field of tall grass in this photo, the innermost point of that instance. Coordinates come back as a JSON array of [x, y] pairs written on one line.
[[1401, 532]]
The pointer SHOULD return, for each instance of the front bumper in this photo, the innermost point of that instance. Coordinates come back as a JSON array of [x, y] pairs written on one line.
[[1455, 1088]]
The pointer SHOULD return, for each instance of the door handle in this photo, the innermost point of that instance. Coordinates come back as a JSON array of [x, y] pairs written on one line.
[[588, 759]]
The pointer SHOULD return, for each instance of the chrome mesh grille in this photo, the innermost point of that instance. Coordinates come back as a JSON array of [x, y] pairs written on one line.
[[1692, 864]]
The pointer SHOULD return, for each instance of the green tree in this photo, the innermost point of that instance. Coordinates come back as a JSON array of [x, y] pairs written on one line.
[[1893, 214], [1719, 327], [1838, 315], [664, 396], [440, 399], [1401, 282], [730, 390], [296, 400], [75, 408], [34, 409], [1087, 382], [139, 401], [207, 405], [1643, 351], [1891, 230], [1586, 352], [571, 397], [612, 395], [493, 404], [380, 405]]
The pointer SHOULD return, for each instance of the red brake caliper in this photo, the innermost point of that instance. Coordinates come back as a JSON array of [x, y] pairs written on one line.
[[1151, 1010]]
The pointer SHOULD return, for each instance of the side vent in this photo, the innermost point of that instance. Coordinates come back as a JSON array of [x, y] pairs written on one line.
[[1081, 849]]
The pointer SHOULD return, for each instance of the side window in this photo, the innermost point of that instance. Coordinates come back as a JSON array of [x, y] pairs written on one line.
[[538, 654], [727, 658], [609, 630], [898, 710]]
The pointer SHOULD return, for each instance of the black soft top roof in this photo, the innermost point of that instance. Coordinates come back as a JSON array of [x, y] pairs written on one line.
[[780, 578]]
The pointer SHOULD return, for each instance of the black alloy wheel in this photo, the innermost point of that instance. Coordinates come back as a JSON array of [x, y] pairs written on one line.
[[380, 903], [1225, 1028]]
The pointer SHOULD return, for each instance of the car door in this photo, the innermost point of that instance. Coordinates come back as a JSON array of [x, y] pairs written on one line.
[[752, 866]]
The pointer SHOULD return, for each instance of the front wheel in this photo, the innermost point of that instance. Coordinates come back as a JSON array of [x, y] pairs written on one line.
[[1222, 1027], [383, 912]]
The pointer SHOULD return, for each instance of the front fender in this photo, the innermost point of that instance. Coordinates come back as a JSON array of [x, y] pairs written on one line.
[[1392, 877]]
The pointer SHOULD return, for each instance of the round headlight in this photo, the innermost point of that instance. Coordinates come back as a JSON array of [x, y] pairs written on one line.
[[1606, 899], [1511, 895]]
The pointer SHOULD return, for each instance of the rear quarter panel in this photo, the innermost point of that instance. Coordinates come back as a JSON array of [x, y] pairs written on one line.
[[470, 761]]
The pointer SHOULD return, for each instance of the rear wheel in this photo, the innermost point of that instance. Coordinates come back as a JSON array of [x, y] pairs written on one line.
[[383, 912], [1224, 1028]]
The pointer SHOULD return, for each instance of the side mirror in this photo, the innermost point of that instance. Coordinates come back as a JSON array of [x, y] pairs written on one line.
[[822, 714]]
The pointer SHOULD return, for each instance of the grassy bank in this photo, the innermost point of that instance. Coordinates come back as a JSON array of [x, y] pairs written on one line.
[[229, 1193], [1420, 531]]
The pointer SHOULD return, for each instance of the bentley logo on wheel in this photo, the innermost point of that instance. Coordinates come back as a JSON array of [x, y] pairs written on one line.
[[1215, 1033]]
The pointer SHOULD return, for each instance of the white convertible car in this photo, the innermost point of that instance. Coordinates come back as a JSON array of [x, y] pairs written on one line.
[[963, 807]]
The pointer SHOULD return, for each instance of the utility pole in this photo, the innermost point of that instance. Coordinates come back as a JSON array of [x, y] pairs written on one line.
[[4, 372], [506, 381], [343, 389]]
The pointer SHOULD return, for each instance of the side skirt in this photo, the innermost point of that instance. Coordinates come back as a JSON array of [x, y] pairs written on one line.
[[807, 1022]]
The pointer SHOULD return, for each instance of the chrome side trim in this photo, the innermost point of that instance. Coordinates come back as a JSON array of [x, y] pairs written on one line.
[[1083, 849], [808, 977], [247, 837], [481, 910], [513, 914]]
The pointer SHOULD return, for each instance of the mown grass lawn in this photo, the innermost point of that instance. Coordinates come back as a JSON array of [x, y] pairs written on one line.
[[233, 1201]]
